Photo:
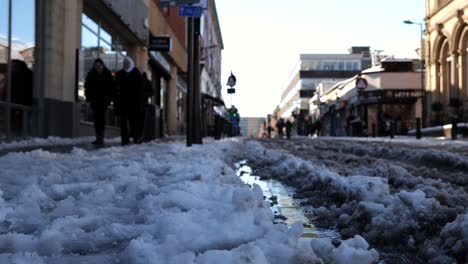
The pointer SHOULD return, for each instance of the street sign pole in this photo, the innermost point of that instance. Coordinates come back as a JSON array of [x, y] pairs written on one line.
[[189, 111], [193, 111], [232, 80], [197, 120]]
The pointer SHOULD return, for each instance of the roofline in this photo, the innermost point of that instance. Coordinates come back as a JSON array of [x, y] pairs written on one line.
[[214, 12]]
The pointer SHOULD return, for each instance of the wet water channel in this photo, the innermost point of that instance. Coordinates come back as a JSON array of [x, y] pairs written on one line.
[[284, 207], [288, 211]]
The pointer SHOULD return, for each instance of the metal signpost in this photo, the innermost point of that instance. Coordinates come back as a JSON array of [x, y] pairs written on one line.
[[193, 10], [231, 83], [187, 8]]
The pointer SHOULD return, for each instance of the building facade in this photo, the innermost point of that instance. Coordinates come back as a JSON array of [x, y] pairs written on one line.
[[47, 47], [42, 72], [379, 101], [313, 69], [167, 69], [210, 61], [446, 42], [252, 126]]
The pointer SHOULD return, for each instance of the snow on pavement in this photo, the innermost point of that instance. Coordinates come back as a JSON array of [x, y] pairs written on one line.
[[151, 203]]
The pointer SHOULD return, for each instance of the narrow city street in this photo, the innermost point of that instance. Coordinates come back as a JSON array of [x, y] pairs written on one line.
[[407, 199]]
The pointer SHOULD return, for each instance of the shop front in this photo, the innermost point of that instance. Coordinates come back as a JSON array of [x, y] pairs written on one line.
[[104, 36], [160, 76], [387, 111]]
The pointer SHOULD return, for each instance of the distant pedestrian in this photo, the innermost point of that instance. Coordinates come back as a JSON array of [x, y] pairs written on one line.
[[218, 121], [318, 127], [308, 126], [21, 92], [269, 130], [147, 109], [288, 126], [280, 126], [99, 89], [130, 100]]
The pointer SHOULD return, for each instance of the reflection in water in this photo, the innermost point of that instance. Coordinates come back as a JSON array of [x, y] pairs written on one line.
[[284, 207]]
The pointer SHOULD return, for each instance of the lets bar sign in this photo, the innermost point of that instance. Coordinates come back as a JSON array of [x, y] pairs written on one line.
[[160, 43], [190, 11], [167, 3]]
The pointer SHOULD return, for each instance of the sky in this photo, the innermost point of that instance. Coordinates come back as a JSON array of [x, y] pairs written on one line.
[[22, 20], [263, 40]]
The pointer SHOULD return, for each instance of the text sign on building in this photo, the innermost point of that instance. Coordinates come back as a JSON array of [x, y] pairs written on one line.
[[160, 43], [190, 11], [167, 3]]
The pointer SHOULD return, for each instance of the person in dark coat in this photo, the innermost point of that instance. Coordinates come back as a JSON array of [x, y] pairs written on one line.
[[130, 98], [288, 126], [147, 112], [21, 83], [269, 130], [21, 92], [280, 126], [318, 127], [99, 89]]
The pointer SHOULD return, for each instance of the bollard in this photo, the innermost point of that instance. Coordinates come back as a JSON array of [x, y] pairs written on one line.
[[454, 129], [418, 128], [374, 132]]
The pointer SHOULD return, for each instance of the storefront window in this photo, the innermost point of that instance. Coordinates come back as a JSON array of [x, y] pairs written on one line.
[[97, 42], [17, 65], [4, 47]]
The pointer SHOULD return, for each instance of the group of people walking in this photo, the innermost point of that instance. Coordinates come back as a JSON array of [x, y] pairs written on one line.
[[281, 125], [128, 92]]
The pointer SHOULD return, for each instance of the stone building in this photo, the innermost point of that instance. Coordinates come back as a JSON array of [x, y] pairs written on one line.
[[446, 41]]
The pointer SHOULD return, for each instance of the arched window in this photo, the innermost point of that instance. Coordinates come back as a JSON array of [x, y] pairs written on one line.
[[464, 62], [444, 71]]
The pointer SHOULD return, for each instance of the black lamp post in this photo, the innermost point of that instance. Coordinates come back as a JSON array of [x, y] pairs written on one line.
[[418, 122]]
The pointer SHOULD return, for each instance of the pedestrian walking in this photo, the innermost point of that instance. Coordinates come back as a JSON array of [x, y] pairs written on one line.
[[99, 89], [280, 126], [148, 109], [130, 98], [318, 127], [269, 130], [288, 126]]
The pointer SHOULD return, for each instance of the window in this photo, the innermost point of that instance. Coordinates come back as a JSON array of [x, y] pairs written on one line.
[[341, 66], [16, 66], [355, 66], [97, 42], [442, 3]]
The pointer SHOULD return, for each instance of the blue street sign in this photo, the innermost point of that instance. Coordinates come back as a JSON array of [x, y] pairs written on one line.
[[190, 11]]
